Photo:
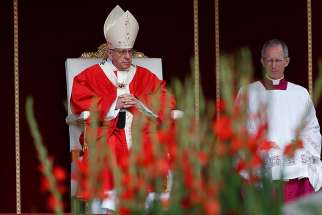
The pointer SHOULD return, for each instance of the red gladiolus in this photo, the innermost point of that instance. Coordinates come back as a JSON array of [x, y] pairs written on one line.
[[127, 193], [222, 128], [59, 173], [261, 131], [123, 162], [266, 145], [241, 165], [220, 106], [126, 179], [53, 203], [255, 161], [202, 158], [82, 166], [186, 201], [236, 145], [101, 194], [168, 139], [124, 211], [44, 184], [211, 189], [292, 147], [163, 167], [195, 196], [252, 144], [211, 207]]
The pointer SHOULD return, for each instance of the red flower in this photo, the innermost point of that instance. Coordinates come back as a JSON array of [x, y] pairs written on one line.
[[53, 203], [211, 207], [82, 166], [252, 144], [292, 147], [124, 211], [59, 173], [266, 145], [202, 157], [261, 131], [220, 106], [222, 128], [163, 167], [241, 165], [44, 184], [127, 193], [126, 179], [255, 161], [236, 145]]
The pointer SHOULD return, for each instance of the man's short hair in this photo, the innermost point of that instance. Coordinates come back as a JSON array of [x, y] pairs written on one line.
[[275, 42]]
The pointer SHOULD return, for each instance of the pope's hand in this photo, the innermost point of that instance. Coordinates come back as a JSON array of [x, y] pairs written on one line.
[[126, 101]]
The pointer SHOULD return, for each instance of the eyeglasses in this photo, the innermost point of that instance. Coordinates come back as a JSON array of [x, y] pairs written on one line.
[[123, 51], [276, 61]]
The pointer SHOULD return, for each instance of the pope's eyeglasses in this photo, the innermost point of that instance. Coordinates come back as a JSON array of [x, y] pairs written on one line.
[[123, 51]]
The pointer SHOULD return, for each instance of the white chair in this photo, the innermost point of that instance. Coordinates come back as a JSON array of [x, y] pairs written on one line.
[[73, 67], [75, 122]]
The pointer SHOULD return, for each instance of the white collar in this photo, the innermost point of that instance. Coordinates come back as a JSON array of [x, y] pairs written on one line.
[[109, 69], [274, 81]]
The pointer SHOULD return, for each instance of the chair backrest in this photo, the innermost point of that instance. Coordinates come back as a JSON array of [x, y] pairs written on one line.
[[76, 65]]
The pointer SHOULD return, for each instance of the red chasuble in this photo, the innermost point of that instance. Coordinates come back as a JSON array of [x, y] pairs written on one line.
[[92, 84]]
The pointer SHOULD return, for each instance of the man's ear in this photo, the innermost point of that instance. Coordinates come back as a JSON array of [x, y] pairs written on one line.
[[109, 52], [262, 61], [287, 61]]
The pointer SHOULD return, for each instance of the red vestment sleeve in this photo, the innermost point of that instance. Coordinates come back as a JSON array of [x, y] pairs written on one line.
[[91, 86], [148, 89]]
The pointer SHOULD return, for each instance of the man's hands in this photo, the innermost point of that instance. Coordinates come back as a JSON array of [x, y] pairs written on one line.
[[126, 101]]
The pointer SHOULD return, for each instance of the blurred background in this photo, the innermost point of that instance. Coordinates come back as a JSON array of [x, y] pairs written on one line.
[[51, 31]]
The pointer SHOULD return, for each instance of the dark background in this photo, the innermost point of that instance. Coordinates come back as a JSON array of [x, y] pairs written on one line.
[[51, 31]]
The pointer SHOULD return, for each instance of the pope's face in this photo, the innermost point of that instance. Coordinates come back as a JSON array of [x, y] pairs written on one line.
[[274, 62], [121, 58]]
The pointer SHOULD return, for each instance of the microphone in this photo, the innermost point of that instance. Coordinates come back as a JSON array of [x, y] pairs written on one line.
[[121, 119]]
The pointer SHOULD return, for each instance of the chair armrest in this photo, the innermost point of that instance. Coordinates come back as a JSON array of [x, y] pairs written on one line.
[[75, 119], [177, 114]]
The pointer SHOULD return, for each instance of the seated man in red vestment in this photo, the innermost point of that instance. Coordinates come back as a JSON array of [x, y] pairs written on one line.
[[121, 91]]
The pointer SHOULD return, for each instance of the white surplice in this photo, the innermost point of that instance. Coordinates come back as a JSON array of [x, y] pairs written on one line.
[[285, 111]]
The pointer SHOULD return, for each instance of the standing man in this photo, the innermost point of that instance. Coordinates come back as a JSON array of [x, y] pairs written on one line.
[[121, 91], [286, 108]]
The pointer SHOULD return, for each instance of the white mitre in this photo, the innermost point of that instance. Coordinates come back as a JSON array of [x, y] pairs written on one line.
[[120, 29]]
